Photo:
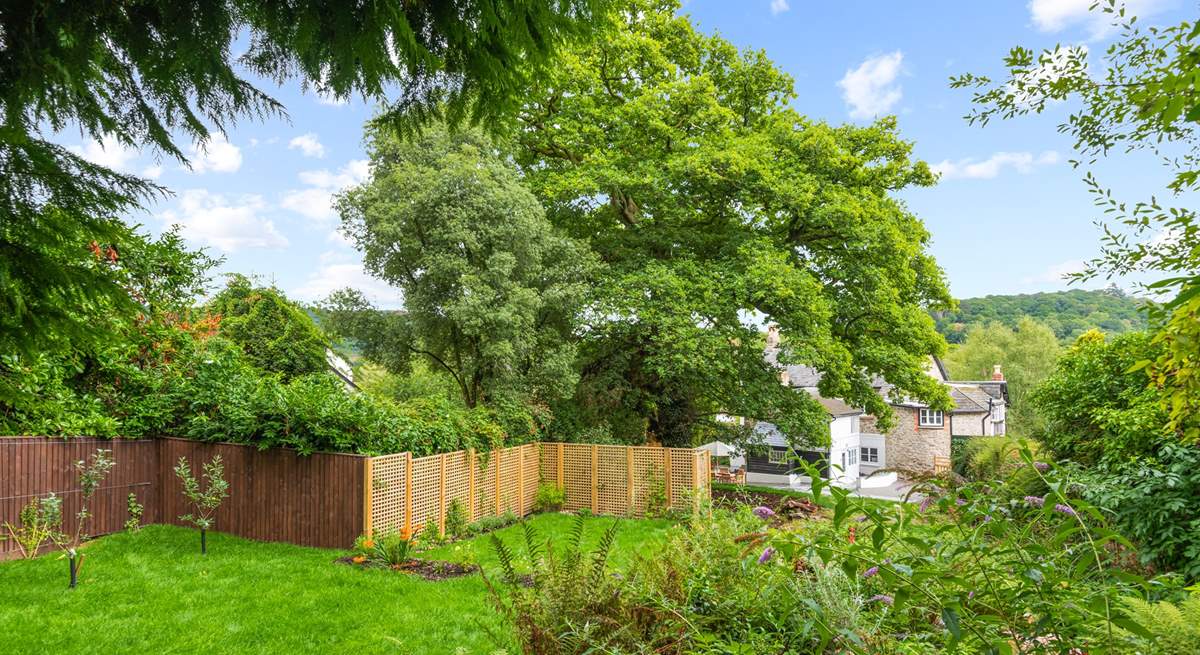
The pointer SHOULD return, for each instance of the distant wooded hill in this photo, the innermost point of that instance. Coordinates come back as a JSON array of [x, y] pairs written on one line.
[[1068, 313]]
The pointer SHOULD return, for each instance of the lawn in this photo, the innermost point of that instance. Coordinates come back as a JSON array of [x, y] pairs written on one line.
[[154, 592]]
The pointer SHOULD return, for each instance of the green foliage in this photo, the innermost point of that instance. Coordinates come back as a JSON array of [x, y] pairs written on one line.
[[274, 333], [391, 549], [1026, 356], [456, 519], [40, 521], [1168, 628], [656, 498], [144, 76], [206, 500], [1068, 313], [491, 291], [488, 524], [550, 498], [1145, 99], [677, 158], [1095, 407], [135, 509]]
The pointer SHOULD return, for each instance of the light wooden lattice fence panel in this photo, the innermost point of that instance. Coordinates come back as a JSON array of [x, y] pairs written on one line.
[[577, 476], [620, 480], [388, 486], [612, 481], [530, 462]]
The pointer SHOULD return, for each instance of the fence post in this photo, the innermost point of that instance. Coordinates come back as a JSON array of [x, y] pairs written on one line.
[[471, 485], [595, 459], [442, 497], [408, 493], [560, 468], [629, 509], [666, 452], [368, 484], [497, 455]]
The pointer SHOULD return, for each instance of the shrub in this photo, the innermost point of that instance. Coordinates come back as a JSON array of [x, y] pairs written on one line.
[[550, 498], [204, 501], [40, 521], [1166, 628], [456, 520], [135, 509], [491, 523]]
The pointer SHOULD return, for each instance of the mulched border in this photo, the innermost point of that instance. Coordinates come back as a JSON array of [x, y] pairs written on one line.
[[432, 570]]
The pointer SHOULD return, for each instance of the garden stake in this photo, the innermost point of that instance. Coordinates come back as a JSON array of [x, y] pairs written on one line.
[[74, 571]]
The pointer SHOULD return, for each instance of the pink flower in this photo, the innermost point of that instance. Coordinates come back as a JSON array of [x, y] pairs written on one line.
[[763, 512], [1035, 501], [767, 554], [881, 598], [1065, 509], [1041, 466], [870, 572]]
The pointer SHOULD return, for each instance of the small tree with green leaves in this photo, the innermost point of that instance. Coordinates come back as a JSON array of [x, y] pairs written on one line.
[[40, 521], [91, 475], [204, 501]]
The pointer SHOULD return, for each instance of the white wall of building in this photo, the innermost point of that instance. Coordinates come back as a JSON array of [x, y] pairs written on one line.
[[844, 451]]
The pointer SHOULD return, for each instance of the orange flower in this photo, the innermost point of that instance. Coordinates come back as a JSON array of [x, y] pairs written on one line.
[[358, 559], [404, 534], [369, 543], [851, 536]]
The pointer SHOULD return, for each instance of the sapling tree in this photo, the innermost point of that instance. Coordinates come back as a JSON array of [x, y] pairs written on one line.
[[91, 474], [204, 501]]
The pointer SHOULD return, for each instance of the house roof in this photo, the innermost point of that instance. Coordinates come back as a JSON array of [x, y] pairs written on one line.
[[970, 399], [835, 406]]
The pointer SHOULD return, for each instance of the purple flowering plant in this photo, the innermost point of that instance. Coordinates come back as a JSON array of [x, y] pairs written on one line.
[[994, 572]]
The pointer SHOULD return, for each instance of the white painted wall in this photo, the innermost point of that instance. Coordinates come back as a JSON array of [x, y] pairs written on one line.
[[843, 451], [869, 440]]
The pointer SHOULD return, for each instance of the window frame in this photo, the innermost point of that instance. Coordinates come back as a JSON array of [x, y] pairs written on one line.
[[868, 454], [922, 412], [776, 456]]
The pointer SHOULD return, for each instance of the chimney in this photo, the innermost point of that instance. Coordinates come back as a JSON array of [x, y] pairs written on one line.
[[996, 374], [772, 336]]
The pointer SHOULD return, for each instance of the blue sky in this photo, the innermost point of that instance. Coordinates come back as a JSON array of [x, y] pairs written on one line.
[[1010, 214]]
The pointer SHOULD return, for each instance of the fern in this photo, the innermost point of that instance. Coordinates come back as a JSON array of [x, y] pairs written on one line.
[[1169, 629], [600, 557], [507, 559]]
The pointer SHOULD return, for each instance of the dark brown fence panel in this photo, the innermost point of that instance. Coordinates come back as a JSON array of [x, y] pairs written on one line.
[[34, 467], [274, 495]]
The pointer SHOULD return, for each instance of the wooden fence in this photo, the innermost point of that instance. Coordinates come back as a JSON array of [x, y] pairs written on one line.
[[326, 500]]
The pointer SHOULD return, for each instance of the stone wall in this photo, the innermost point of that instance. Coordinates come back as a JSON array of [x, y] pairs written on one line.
[[909, 446]]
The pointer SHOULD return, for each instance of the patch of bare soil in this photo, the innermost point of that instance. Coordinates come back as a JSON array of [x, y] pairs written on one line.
[[428, 569], [785, 507]]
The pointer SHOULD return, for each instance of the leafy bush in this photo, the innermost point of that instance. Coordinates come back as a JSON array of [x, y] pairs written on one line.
[[40, 521], [550, 498], [492, 523], [1166, 628], [135, 509], [456, 520]]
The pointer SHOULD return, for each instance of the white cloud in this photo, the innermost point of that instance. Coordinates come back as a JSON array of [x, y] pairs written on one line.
[[228, 224], [316, 201], [328, 98], [1057, 273], [309, 144], [218, 155], [153, 172], [1058, 15], [337, 271], [107, 152], [779, 6], [1022, 162], [870, 89]]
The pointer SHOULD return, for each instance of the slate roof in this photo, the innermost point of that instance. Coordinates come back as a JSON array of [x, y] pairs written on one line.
[[969, 399]]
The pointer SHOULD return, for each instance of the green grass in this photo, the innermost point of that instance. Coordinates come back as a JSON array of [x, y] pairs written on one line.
[[153, 592]]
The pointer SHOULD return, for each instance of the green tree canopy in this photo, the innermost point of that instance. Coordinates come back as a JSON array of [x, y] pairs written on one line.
[[1026, 356], [1068, 313], [711, 203], [149, 73], [492, 293], [1139, 94], [276, 335]]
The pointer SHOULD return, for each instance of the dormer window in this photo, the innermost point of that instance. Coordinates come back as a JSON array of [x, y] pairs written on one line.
[[930, 418]]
